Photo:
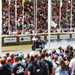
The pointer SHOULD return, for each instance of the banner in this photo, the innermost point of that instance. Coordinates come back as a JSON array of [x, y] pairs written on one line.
[[10, 40], [73, 36], [24, 39], [64, 36]]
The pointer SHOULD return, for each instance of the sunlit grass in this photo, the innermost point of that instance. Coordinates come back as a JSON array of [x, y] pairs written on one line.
[[16, 48]]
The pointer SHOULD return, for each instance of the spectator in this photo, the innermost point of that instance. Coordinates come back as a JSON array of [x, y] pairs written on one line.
[[72, 65], [38, 62], [5, 69], [19, 68], [63, 70]]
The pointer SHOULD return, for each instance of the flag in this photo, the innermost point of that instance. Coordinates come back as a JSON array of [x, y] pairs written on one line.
[[23, 1]]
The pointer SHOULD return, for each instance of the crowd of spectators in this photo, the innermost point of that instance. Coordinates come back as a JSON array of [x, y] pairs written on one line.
[[66, 14], [55, 62], [19, 18]]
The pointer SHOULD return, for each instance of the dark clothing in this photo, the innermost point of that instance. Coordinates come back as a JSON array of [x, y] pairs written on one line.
[[5, 70], [37, 44], [49, 64], [35, 69], [40, 68], [19, 69]]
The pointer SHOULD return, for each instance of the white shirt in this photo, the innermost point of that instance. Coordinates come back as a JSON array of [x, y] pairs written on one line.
[[34, 39], [72, 65]]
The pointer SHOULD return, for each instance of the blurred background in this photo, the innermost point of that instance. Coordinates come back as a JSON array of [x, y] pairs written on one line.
[[24, 19]]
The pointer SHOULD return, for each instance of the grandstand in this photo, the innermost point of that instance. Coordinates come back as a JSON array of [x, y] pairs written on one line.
[[23, 19], [19, 17], [37, 37]]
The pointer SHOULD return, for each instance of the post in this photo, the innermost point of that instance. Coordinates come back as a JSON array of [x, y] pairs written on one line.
[[9, 26], [15, 14], [66, 9], [60, 14], [35, 15], [0, 26], [23, 17], [71, 17], [49, 21]]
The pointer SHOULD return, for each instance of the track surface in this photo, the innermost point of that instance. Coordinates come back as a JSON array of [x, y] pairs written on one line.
[[16, 48]]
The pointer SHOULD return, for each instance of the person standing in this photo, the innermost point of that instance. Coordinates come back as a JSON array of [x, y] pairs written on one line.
[[72, 65], [5, 69], [19, 68]]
